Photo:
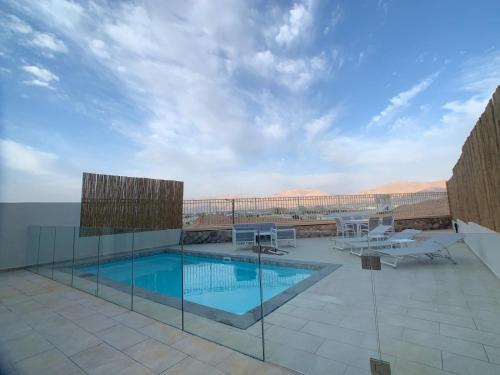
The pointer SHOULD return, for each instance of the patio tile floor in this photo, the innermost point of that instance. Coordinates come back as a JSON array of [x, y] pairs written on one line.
[[37, 338], [434, 318]]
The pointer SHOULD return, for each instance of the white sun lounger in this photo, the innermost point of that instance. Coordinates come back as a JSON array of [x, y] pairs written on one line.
[[435, 247], [396, 240], [378, 233]]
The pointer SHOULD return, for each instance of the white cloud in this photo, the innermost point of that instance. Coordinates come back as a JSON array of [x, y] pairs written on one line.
[[48, 42], [336, 17], [296, 74], [401, 100], [99, 48], [40, 76], [296, 23], [413, 149], [181, 64], [23, 158], [30, 174], [275, 131], [17, 25], [319, 126], [481, 75]]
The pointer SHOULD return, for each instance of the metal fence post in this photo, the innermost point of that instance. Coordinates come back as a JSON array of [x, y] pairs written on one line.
[[232, 209]]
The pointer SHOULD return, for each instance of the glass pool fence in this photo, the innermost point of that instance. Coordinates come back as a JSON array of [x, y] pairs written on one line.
[[217, 294]]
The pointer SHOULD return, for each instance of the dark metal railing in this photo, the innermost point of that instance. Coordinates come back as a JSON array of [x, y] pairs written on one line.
[[200, 213]]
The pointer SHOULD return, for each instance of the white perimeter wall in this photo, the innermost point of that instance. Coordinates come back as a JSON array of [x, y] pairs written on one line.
[[484, 242], [22, 244]]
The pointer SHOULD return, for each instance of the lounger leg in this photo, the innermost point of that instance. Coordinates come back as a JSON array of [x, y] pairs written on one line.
[[393, 265], [450, 258]]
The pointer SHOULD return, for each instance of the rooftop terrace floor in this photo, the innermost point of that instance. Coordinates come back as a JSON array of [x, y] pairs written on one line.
[[49, 328], [434, 318]]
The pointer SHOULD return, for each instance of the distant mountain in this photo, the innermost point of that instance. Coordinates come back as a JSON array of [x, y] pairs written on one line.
[[301, 193], [407, 187]]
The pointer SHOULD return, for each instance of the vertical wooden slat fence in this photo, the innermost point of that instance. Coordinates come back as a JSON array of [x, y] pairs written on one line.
[[121, 203], [474, 188]]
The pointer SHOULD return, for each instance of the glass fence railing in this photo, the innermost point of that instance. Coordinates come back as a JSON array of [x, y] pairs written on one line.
[[426, 304]]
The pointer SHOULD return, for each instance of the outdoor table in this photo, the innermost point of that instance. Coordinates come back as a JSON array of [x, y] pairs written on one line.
[[358, 223], [261, 237]]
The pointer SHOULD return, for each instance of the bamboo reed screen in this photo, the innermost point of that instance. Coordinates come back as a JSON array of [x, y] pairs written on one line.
[[474, 188], [123, 203]]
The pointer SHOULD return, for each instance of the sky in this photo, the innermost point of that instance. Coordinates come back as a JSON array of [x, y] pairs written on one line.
[[240, 98]]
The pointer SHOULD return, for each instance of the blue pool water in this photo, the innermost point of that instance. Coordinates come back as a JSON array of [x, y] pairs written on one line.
[[230, 286]]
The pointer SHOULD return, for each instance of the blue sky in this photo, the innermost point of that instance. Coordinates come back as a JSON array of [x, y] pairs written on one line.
[[240, 97]]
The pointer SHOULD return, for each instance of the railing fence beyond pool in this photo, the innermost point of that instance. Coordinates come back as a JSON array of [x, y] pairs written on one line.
[[201, 213]]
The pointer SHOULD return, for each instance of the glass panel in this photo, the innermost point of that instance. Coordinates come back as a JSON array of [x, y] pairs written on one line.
[[317, 302], [115, 266], [45, 256], [32, 247], [85, 265], [63, 254], [157, 271], [444, 304], [222, 295]]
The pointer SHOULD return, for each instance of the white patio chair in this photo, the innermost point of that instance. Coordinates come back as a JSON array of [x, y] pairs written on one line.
[[283, 233], [343, 228], [388, 220], [244, 234]]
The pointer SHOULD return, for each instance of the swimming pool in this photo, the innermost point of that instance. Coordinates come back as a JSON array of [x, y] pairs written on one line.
[[230, 286]]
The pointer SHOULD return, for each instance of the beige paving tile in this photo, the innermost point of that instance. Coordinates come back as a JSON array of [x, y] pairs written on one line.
[[69, 338], [155, 355], [39, 317], [76, 311], [285, 321], [191, 366], [203, 350], [468, 366], [300, 301], [470, 334], [26, 346], [488, 325], [461, 321], [133, 320], [345, 353], [47, 363], [25, 307], [404, 367], [121, 336], [412, 352], [410, 322], [317, 315], [334, 332], [96, 322], [351, 370], [450, 344], [135, 369], [163, 333], [243, 342], [239, 364], [298, 340], [302, 361], [109, 309], [493, 354], [14, 330], [102, 360]]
